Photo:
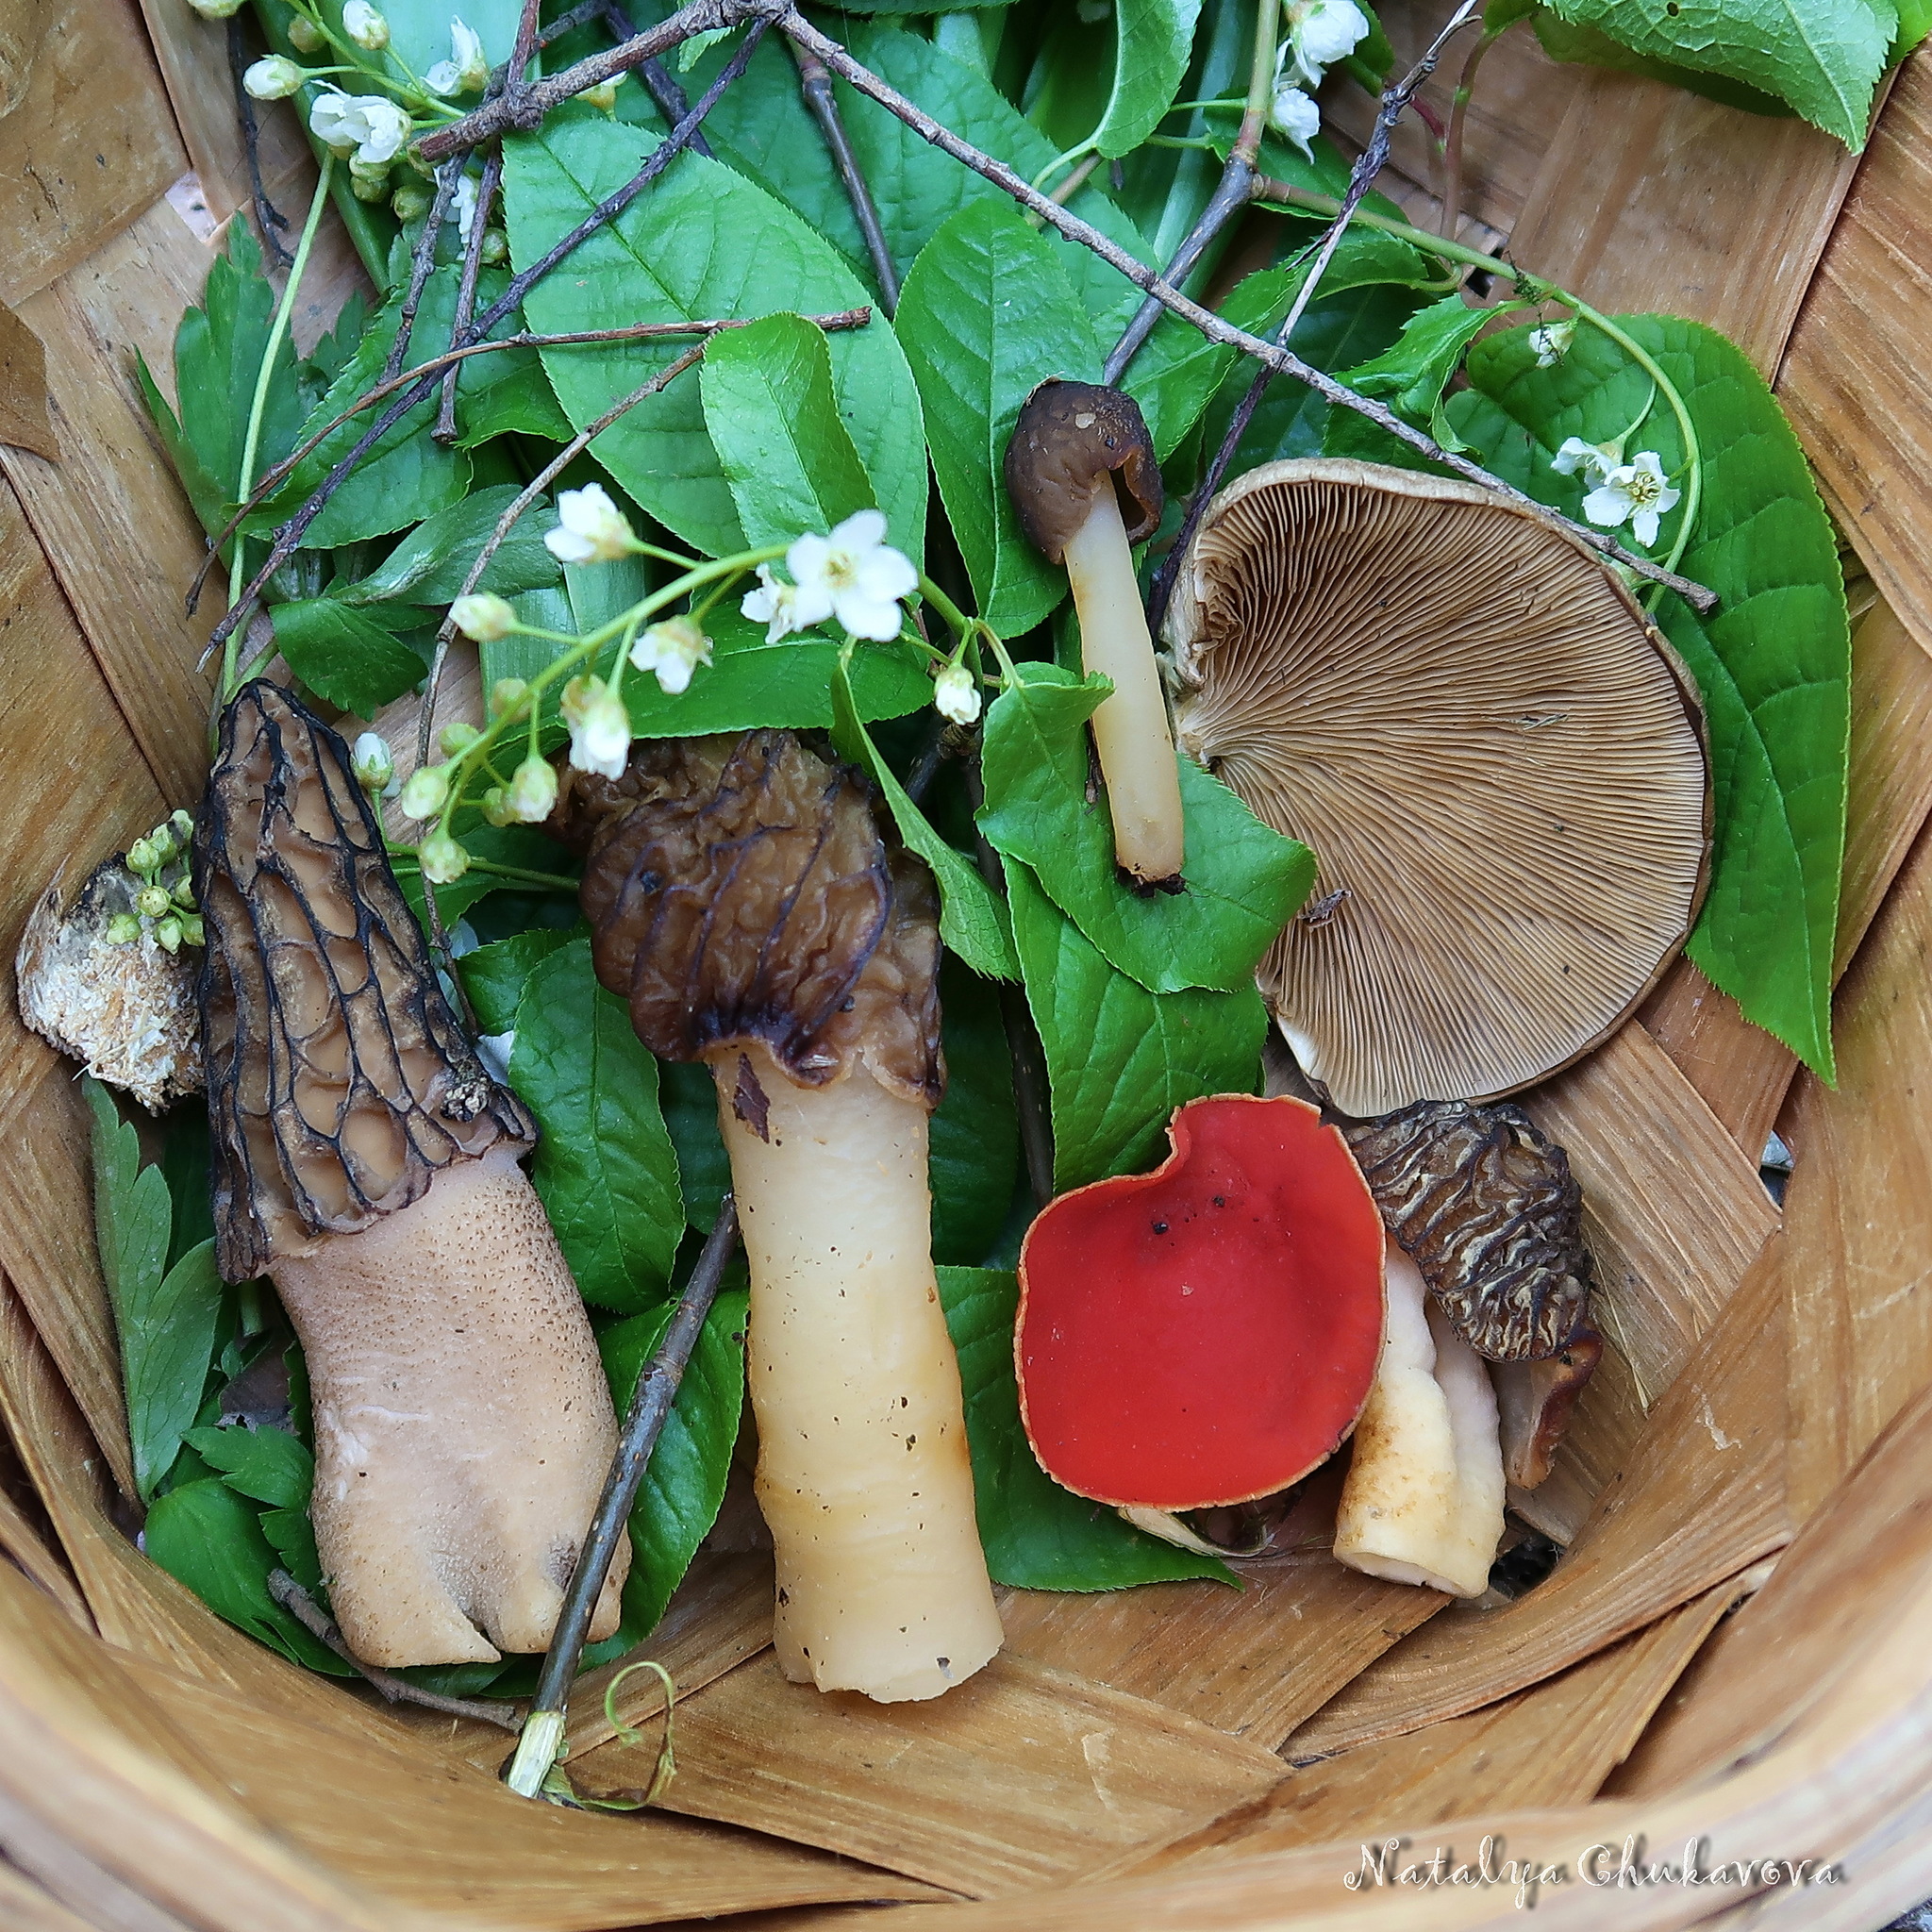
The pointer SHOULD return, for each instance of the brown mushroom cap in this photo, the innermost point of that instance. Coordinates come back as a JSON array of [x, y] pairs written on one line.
[[339, 1080], [1497, 763], [737, 890], [1489, 1211], [1070, 435]]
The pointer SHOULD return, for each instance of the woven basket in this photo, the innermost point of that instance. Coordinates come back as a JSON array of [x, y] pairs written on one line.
[[1737, 1648]]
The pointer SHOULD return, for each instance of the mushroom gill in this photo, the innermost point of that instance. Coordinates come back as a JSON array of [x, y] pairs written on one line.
[[1498, 763]]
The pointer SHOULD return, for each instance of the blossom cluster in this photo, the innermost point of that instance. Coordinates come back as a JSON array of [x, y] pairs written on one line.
[[164, 907], [1320, 33], [1637, 491]]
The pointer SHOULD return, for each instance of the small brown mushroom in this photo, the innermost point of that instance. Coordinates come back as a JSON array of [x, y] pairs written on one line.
[[1497, 763], [365, 1159], [1081, 473], [741, 900]]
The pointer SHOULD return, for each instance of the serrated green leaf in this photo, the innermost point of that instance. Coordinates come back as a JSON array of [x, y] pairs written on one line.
[[291, 1536], [341, 656], [1153, 42], [986, 316], [661, 261], [494, 975], [1120, 1059], [684, 1483], [1412, 374], [1245, 880], [971, 919], [1590, 47], [1824, 56], [775, 423], [604, 1167], [267, 1465], [1037, 1535], [428, 566], [1773, 660], [973, 1155]]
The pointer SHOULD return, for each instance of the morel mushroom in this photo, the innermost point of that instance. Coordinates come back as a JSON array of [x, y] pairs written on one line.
[[743, 902], [1081, 473], [365, 1161], [1498, 763]]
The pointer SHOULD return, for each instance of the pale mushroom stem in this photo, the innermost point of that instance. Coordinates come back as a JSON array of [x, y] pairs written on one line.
[[1422, 1502], [462, 1421], [862, 1472], [1130, 729]]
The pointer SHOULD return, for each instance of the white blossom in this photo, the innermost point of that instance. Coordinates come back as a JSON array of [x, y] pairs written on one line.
[[775, 605], [375, 765], [467, 71], [1595, 460], [464, 205], [274, 79], [216, 10], [591, 528], [368, 126], [1551, 341], [1320, 32], [1295, 116], [365, 26], [599, 727], [485, 618], [532, 790], [1637, 490], [853, 575], [673, 650], [954, 694]]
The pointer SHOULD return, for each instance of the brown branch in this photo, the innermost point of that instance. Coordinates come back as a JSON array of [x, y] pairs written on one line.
[[395, 1690], [422, 266], [445, 430], [815, 84], [268, 218], [659, 82]]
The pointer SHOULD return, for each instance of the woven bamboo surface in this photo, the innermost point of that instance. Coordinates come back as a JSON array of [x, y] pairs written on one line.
[[1739, 1643]]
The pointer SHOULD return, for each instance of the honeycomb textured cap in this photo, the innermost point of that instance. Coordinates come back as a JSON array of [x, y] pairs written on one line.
[[737, 890], [1497, 763], [339, 1080]]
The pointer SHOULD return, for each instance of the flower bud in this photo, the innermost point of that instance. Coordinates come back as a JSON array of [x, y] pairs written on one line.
[[183, 823], [365, 26], [141, 857], [506, 697], [182, 892], [367, 189], [589, 527], [494, 249], [532, 795], [122, 929], [496, 809], [426, 792], [603, 95], [192, 930], [154, 901], [163, 843], [274, 79], [305, 36], [169, 932], [216, 10], [672, 649], [954, 694], [456, 738], [599, 727], [442, 859], [409, 202], [374, 764], [483, 617]]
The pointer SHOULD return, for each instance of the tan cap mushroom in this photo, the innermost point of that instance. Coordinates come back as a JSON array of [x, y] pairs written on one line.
[[1498, 763]]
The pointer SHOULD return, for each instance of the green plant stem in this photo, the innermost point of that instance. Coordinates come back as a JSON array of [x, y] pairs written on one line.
[[257, 408], [517, 874]]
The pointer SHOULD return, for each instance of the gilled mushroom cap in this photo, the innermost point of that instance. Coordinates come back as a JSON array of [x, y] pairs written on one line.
[[737, 890], [339, 1080], [1070, 435], [1497, 763]]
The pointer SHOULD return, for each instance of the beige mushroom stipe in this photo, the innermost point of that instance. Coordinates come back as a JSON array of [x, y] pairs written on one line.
[[363, 1158], [1497, 763], [1423, 1500]]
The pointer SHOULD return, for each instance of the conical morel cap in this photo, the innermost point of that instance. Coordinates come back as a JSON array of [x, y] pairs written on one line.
[[1498, 763]]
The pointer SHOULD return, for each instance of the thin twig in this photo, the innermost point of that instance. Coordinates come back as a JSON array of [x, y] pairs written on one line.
[[268, 218], [523, 50], [508, 521], [815, 84], [1216, 329], [445, 430], [422, 266], [527, 111], [1452, 145], [395, 1690], [659, 82], [656, 1389], [582, 14]]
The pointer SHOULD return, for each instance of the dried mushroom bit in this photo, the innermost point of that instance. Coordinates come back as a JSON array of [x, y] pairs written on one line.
[[364, 1160], [743, 902], [1491, 1215], [1497, 761]]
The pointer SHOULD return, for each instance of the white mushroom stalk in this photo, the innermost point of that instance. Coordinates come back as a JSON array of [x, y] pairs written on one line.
[[1423, 1501]]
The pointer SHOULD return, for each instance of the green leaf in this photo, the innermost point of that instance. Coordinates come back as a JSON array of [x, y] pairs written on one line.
[[269, 1465], [291, 1536], [974, 1146], [494, 975], [605, 1167], [165, 1322], [986, 316], [1245, 880], [1120, 1059], [775, 423], [428, 566], [1037, 1535], [1914, 23], [341, 656], [690, 1100], [1413, 371], [1592, 47], [971, 919], [663, 261], [684, 1483], [1772, 661], [1153, 42], [1824, 56]]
